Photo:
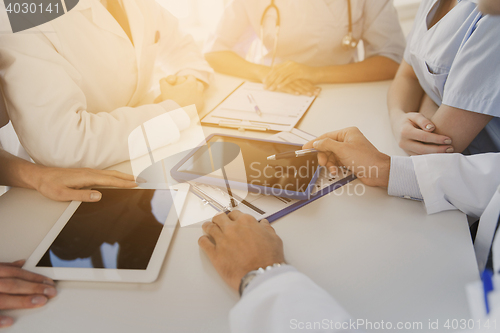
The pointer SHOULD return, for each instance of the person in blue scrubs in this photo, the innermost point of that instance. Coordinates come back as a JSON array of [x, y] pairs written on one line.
[[446, 95]]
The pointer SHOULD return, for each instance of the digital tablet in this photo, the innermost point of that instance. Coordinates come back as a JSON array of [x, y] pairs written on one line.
[[246, 158], [122, 238]]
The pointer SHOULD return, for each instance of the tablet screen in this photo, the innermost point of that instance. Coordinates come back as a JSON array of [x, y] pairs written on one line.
[[118, 232], [293, 174]]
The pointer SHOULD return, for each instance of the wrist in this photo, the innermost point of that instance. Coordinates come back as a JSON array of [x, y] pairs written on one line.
[[31, 174], [261, 72], [384, 170], [316, 75], [252, 275]]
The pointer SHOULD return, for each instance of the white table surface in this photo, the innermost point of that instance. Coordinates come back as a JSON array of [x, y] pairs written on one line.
[[381, 257]]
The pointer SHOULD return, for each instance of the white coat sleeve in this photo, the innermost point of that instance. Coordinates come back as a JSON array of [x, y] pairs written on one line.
[[288, 302], [382, 33], [49, 110], [232, 30], [455, 181], [179, 53]]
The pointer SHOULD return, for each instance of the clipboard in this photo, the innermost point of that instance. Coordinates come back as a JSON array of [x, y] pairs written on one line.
[[213, 199], [280, 111]]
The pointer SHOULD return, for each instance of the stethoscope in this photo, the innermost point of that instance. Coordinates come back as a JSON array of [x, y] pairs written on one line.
[[348, 42]]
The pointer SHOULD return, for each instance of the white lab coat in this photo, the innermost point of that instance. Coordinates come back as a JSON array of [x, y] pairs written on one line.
[[273, 305], [76, 87], [449, 182], [311, 31]]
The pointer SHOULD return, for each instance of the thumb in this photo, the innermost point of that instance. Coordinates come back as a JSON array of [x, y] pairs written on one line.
[[69, 194], [6, 321], [422, 122], [265, 223]]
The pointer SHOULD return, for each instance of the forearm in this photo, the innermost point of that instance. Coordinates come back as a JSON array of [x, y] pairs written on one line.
[[460, 125], [376, 68], [405, 92], [16, 171], [427, 107], [228, 62]]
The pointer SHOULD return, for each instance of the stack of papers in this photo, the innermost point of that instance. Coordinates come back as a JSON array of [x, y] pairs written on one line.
[[279, 111]]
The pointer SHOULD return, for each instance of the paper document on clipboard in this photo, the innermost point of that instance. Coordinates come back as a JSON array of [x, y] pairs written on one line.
[[278, 111]]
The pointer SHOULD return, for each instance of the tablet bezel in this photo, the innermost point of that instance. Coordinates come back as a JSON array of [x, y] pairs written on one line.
[[185, 176], [150, 274]]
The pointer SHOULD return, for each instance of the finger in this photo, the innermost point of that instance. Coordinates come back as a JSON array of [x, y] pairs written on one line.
[[116, 174], [91, 178], [332, 168], [419, 148], [18, 263], [171, 79], [235, 215], [298, 90], [317, 91], [281, 77], [12, 302], [339, 136], [330, 162], [6, 321], [221, 220], [309, 145], [265, 223], [212, 230], [308, 86], [328, 145], [190, 79], [333, 164], [17, 286], [287, 90], [88, 195], [270, 81], [182, 79], [303, 87], [421, 121], [322, 159], [417, 134], [207, 246], [165, 86], [286, 78], [15, 272]]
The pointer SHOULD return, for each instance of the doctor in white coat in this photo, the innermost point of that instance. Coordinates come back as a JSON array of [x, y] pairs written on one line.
[[305, 43], [277, 298], [77, 86]]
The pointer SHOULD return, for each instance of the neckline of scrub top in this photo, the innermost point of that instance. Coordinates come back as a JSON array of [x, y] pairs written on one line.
[[435, 6]]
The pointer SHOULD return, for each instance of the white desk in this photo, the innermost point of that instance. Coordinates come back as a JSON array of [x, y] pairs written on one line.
[[383, 258]]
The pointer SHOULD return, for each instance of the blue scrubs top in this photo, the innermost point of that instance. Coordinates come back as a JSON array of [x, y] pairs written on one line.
[[457, 63]]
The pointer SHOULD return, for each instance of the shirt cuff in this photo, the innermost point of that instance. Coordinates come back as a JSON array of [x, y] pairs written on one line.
[[260, 279], [403, 181]]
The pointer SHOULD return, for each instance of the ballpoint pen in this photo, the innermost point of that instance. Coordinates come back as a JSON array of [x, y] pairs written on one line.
[[254, 103], [292, 154]]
